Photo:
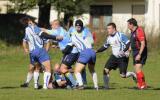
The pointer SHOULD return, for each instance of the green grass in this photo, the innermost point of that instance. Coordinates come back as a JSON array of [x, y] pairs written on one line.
[[13, 69]]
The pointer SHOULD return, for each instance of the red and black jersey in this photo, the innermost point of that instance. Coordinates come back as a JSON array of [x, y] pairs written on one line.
[[136, 37]]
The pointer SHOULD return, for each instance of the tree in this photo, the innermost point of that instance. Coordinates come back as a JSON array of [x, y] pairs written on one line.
[[71, 7], [68, 7]]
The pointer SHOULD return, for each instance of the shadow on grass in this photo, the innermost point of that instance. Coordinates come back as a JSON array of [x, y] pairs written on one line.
[[148, 88], [9, 87]]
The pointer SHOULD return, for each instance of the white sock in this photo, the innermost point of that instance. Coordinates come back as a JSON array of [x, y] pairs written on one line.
[[79, 79], [46, 77], [29, 77], [95, 80], [106, 81], [130, 74], [36, 77]]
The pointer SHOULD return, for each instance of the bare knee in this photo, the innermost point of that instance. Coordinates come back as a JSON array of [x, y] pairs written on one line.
[[106, 71]]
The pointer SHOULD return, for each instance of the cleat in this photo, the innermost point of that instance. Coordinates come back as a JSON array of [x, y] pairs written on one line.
[[25, 85]]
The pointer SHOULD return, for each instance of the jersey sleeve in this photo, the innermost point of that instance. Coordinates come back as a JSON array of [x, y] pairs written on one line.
[[124, 38], [106, 44], [37, 30], [140, 34]]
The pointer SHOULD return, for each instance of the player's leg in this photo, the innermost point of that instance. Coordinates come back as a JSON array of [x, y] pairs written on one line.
[[123, 65], [106, 78], [79, 67], [91, 67], [138, 65], [110, 64], [67, 62], [47, 73], [140, 76], [36, 75], [84, 76], [69, 75], [29, 76], [44, 59]]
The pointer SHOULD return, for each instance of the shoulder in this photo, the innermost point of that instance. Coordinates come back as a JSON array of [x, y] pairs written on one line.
[[140, 30]]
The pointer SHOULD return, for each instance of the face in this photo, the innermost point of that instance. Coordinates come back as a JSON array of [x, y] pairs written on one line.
[[54, 24], [110, 30], [78, 28], [130, 26]]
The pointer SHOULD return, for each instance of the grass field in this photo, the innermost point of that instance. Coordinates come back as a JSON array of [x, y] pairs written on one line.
[[13, 69]]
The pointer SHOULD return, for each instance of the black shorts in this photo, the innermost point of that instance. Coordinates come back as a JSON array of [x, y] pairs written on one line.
[[114, 63], [143, 57], [70, 59]]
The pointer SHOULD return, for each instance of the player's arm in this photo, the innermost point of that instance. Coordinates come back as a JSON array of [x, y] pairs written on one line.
[[141, 38], [47, 36], [104, 47], [47, 45], [61, 83], [25, 46], [25, 42]]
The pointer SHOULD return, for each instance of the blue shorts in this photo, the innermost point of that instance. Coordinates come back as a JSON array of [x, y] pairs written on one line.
[[39, 55], [70, 59], [87, 56]]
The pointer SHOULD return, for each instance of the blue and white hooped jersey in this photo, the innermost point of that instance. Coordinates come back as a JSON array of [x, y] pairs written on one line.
[[118, 43], [32, 36], [82, 41]]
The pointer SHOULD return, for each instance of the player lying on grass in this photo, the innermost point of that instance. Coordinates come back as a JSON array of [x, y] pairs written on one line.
[[120, 55], [33, 36], [59, 80]]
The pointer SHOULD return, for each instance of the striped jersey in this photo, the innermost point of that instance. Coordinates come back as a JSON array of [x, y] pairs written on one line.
[[118, 43], [83, 40], [32, 36]]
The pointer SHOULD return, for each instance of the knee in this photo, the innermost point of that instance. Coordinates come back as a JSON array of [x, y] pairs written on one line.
[[63, 70], [106, 71]]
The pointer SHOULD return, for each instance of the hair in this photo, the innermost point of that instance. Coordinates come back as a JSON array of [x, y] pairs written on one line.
[[132, 21], [113, 25], [70, 23], [25, 20]]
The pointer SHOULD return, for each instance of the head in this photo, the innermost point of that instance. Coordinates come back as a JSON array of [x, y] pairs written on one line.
[[79, 26], [55, 24], [26, 21], [111, 28], [132, 23]]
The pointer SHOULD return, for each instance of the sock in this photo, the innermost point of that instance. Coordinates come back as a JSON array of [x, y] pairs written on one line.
[[140, 79], [84, 78], [47, 76], [36, 77], [95, 80], [106, 81], [29, 77], [79, 79], [130, 74], [71, 78]]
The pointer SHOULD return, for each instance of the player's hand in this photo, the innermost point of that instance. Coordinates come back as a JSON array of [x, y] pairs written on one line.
[[59, 38], [127, 53], [121, 53], [138, 57], [43, 29], [26, 51]]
